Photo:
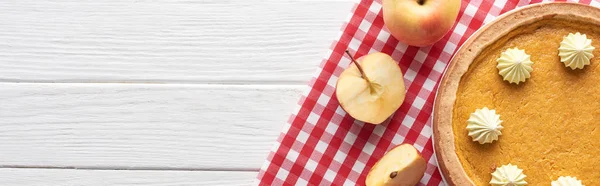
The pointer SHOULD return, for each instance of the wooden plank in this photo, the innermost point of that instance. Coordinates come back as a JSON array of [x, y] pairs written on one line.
[[21, 177], [214, 41], [124, 126]]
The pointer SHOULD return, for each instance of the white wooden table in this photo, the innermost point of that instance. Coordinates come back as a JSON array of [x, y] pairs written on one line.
[[145, 92]]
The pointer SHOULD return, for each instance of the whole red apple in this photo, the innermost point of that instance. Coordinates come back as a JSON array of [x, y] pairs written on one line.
[[420, 22]]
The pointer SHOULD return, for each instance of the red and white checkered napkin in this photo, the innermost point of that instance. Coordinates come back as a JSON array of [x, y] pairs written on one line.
[[322, 145]]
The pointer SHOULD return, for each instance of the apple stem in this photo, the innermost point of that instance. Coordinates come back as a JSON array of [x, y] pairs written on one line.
[[362, 73], [421, 2]]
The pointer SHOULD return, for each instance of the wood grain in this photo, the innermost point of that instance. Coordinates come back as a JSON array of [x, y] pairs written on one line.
[[70, 177], [208, 41], [132, 90], [124, 126]]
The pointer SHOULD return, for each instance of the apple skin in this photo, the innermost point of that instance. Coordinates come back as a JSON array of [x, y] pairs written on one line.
[[419, 25], [351, 89]]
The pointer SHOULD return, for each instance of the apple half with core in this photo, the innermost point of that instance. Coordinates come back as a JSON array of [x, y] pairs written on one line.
[[401, 166], [419, 22], [372, 88]]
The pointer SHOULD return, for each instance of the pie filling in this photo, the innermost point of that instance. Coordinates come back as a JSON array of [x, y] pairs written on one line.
[[551, 121]]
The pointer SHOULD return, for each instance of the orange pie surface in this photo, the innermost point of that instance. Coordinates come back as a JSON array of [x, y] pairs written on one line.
[[551, 121]]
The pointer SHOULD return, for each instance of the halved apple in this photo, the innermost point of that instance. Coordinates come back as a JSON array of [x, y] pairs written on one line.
[[401, 166], [372, 88]]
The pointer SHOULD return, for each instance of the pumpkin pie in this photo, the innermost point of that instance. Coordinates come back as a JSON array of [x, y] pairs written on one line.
[[551, 121]]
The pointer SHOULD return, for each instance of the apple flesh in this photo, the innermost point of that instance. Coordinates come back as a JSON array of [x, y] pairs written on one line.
[[401, 166], [419, 22], [372, 88]]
